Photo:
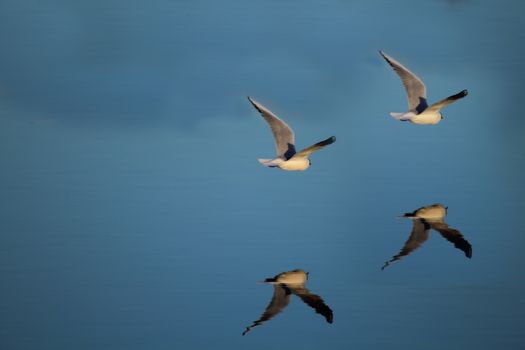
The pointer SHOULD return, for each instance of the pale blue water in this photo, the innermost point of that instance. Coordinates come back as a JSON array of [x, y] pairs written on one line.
[[134, 215]]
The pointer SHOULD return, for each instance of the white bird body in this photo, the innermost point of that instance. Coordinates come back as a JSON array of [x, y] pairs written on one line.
[[427, 117], [297, 276], [287, 157], [419, 111], [432, 212], [292, 164]]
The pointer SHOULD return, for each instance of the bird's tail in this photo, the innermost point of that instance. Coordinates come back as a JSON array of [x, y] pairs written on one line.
[[402, 116], [270, 280], [408, 215], [272, 163]]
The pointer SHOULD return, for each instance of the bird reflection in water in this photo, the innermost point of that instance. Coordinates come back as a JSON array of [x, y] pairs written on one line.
[[424, 219], [285, 284]]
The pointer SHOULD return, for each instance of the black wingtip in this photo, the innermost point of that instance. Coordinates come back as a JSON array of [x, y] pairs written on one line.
[[326, 142], [384, 55], [253, 104], [387, 59], [459, 95]]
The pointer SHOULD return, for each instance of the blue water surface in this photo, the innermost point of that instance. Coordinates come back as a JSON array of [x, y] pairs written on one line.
[[134, 213]]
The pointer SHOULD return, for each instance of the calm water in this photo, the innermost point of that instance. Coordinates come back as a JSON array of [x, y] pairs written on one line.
[[134, 215]]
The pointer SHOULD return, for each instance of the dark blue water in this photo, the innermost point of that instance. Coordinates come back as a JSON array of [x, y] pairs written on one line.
[[134, 214]]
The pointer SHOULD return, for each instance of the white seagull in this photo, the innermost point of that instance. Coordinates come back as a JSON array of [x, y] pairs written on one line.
[[287, 158], [419, 111]]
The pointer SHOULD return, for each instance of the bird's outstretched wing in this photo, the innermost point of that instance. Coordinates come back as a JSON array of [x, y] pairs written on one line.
[[418, 236], [314, 301], [280, 299], [446, 101], [309, 150], [453, 236], [282, 133], [416, 90]]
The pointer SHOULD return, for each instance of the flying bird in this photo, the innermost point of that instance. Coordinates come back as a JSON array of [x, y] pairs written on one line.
[[419, 112], [287, 157], [425, 219], [284, 285]]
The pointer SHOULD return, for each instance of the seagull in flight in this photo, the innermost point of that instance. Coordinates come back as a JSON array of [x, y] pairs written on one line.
[[419, 111], [284, 285], [424, 219], [287, 158]]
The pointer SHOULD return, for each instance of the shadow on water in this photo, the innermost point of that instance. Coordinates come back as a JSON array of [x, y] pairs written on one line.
[[284, 285], [423, 220]]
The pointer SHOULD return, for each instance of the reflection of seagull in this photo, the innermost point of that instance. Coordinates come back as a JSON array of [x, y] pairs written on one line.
[[418, 236], [285, 284], [287, 158], [424, 219], [419, 111]]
